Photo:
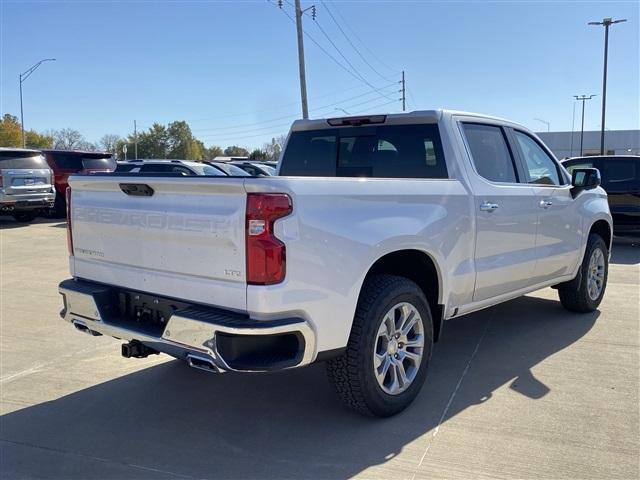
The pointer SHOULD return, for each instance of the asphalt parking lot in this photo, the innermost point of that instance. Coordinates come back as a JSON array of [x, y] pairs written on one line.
[[524, 390]]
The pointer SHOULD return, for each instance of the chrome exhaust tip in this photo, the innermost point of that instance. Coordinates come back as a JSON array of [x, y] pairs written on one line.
[[81, 327], [202, 363]]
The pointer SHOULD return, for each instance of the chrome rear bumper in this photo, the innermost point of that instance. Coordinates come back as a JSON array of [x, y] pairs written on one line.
[[197, 334]]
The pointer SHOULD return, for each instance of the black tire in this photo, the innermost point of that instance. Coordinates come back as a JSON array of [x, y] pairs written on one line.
[[24, 217], [352, 374], [59, 209], [574, 295]]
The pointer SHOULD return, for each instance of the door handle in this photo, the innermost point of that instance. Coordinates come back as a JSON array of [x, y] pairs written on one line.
[[488, 207], [545, 203]]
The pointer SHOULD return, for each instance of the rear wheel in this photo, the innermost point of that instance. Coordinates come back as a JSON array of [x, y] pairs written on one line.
[[24, 217], [585, 292], [389, 348]]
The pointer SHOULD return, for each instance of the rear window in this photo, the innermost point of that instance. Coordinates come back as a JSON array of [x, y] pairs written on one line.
[[19, 160], [620, 173], [394, 151], [69, 161]]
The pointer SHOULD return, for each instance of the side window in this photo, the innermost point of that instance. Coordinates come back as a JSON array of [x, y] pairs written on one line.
[[182, 170], [155, 168], [571, 166], [540, 167], [620, 174], [490, 152]]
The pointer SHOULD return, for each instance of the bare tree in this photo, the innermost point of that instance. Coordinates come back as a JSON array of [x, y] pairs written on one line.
[[109, 142], [274, 147], [70, 139]]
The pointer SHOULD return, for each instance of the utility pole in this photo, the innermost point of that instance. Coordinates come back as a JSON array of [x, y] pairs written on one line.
[[303, 78], [22, 77], [135, 139], [582, 98], [404, 98], [606, 22]]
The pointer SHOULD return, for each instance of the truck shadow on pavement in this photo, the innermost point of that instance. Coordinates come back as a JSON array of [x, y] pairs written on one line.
[[169, 420]]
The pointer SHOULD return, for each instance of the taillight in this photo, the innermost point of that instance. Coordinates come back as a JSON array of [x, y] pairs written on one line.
[[266, 258], [67, 196]]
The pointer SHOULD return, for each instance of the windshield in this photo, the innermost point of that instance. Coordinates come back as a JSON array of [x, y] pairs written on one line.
[[20, 159], [232, 170], [206, 170]]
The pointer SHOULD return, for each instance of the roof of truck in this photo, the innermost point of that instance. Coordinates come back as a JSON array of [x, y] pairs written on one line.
[[417, 116]]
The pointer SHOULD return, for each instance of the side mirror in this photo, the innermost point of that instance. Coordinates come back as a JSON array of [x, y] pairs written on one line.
[[584, 179]]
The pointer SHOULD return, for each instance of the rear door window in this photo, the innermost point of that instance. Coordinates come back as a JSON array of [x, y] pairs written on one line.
[[490, 153], [620, 174], [21, 160], [394, 151]]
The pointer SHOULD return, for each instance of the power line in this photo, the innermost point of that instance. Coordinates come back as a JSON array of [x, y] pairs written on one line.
[[391, 69], [269, 127], [347, 60], [230, 127], [350, 42], [353, 74], [280, 130]]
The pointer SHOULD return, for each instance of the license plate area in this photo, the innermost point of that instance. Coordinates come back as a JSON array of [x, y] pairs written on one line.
[[144, 313], [28, 182]]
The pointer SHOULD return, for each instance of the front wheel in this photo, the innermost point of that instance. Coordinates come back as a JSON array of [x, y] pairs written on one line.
[[389, 348], [585, 292]]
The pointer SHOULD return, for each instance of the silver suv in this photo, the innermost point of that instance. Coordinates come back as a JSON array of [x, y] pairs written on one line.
[[26, 183]]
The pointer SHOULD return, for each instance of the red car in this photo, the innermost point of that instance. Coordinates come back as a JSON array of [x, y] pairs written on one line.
[[69, 162]]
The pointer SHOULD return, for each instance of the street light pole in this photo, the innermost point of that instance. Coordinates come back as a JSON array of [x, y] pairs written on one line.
[[582, 98], [606, 22], [22, 77], [548, 124]]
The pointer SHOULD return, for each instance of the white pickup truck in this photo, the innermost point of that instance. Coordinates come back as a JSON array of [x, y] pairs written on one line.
[[376, 230]]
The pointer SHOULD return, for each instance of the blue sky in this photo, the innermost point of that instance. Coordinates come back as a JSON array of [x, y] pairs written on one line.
[[230, 68]]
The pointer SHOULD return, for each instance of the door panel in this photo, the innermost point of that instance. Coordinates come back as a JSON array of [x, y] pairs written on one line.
[[505, 240], [558, 241], [506, 213]]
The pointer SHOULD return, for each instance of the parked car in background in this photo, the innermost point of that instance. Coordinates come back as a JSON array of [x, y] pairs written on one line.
[[229, 169], [378, 229], [70, 162], [181, 167], [26, 183], [255, 169], [621, 180]]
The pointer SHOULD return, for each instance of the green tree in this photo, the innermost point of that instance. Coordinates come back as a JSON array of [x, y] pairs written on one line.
[[11, 134], [154, 143], [213, 152], [258, 154], [182, 143], [235, 151]]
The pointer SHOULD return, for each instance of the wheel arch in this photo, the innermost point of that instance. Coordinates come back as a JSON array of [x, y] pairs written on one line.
[[419, 267], [603, 228]]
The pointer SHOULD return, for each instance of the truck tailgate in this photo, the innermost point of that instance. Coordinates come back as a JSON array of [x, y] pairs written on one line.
[[186, 240]]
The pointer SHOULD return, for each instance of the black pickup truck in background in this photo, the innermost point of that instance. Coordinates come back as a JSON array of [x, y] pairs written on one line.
[[621, 180]]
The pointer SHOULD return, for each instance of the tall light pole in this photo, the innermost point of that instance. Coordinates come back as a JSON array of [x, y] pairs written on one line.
[[22, 77], [606, 22], [582, 98], [548, 124]]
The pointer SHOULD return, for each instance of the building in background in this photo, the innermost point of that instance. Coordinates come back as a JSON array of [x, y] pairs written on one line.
[[616, 142]]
